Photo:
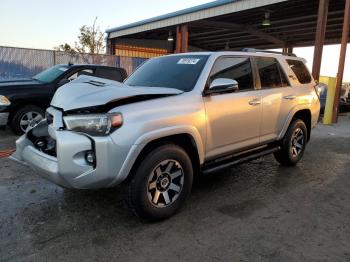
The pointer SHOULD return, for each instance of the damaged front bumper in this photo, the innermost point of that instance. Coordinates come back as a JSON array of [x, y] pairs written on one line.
[[66, 165]]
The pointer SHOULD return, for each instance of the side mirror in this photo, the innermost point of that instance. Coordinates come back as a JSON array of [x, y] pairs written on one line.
[[63, 82], [222, 85]]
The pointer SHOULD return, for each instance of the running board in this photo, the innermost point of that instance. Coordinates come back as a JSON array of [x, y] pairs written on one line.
[[216, 165]]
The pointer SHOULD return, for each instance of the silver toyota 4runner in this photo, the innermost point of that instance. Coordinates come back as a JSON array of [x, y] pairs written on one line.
[[177, 116]]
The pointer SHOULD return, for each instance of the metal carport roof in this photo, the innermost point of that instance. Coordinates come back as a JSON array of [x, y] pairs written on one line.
[[237, 23]]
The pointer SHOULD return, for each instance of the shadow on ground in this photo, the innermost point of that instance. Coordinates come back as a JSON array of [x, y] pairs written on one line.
[[257, 211]]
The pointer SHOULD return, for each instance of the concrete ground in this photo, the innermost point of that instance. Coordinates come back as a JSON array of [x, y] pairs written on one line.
[[257, 211]]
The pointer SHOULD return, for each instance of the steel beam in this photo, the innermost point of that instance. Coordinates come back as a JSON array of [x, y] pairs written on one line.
[[181, 38], [320, 37], [178, 40], [184, 38], [340, 74], [242, 28]]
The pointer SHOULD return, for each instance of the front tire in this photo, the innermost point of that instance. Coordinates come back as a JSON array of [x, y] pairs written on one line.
[[24, 117], [161, 183], [293, 144]]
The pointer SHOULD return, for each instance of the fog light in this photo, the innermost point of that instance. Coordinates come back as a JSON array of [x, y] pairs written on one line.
[[90, 157]]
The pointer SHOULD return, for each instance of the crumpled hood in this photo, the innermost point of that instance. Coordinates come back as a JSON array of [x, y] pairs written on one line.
[[88, 91]]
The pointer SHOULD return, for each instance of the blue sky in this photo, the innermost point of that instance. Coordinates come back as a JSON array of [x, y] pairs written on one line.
[[47, 23]]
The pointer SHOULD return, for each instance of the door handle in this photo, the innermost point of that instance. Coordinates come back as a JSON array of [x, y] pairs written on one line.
[[255, 102], [290, 97]]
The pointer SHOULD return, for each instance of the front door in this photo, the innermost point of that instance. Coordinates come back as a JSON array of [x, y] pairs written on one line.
[[233, 119]]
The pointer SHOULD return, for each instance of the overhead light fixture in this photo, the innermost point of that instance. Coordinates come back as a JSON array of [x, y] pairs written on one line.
[[170, 37], [266, 21]]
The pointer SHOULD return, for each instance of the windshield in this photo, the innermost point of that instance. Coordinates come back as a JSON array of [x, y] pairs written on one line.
[[180, 72], [49, 75]]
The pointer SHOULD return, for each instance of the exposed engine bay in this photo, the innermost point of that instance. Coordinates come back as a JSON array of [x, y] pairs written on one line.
[[41, 139]]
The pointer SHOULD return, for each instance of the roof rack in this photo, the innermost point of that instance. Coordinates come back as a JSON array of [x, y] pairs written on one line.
[[253, 50]]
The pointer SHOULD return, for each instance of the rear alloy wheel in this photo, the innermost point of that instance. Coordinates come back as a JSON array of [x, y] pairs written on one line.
[[293, 144], [28, 116], [297, 142], [161, 183]]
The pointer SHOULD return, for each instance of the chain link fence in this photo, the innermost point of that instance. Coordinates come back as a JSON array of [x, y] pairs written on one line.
[[21, 63]]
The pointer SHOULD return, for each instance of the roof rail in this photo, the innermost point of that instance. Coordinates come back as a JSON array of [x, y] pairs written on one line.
[[253, 50]]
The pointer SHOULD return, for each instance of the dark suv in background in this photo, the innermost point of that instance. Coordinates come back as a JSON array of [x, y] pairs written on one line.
[[23, 102]]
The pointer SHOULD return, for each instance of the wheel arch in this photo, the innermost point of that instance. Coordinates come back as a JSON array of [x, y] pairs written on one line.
[[183, 140], [303, 114]]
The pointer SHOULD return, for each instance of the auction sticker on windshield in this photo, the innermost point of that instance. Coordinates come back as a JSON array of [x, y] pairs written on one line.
[[188, 61]]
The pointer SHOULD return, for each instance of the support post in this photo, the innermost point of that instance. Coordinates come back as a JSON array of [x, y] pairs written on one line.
[[181, 39], [320, 37], [340, 74], [184, 38], [178, 40], [287, 50], [109, 46]]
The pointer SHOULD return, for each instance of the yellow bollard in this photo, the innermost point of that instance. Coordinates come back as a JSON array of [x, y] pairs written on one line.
[[328, 111]]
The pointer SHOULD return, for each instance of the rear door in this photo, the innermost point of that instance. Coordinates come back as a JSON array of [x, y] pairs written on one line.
[[233, 119], [278, 97]]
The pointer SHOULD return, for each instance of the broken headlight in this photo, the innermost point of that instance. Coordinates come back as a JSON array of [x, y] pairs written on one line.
[[94, 125]]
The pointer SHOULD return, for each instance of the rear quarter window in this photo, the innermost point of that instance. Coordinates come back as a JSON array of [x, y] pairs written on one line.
[[300, 70]]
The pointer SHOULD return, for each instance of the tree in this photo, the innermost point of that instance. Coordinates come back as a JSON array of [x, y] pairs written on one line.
[[64, 47], [90, 40]]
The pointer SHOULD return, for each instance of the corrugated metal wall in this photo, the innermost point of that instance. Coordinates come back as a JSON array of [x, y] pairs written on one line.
[[17, 63]]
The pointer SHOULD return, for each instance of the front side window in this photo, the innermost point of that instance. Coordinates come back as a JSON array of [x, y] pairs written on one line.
[[270, 71], [180, 72], [235, 68], [300, 71]]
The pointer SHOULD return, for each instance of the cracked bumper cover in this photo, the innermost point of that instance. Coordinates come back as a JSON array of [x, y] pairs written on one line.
[[69, 168]]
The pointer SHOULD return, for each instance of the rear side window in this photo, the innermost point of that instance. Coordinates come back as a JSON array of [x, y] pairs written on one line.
[[271, 74], [300, 71], [236, 68], [111, 74]]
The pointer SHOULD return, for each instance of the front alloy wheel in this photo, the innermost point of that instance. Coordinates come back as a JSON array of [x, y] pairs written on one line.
[[161, 183], [165, 183], [30, 119], [24, 117]]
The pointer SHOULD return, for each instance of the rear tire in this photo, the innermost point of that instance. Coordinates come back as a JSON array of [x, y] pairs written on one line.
[[24, 117], [161, 183], [293, 144]]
